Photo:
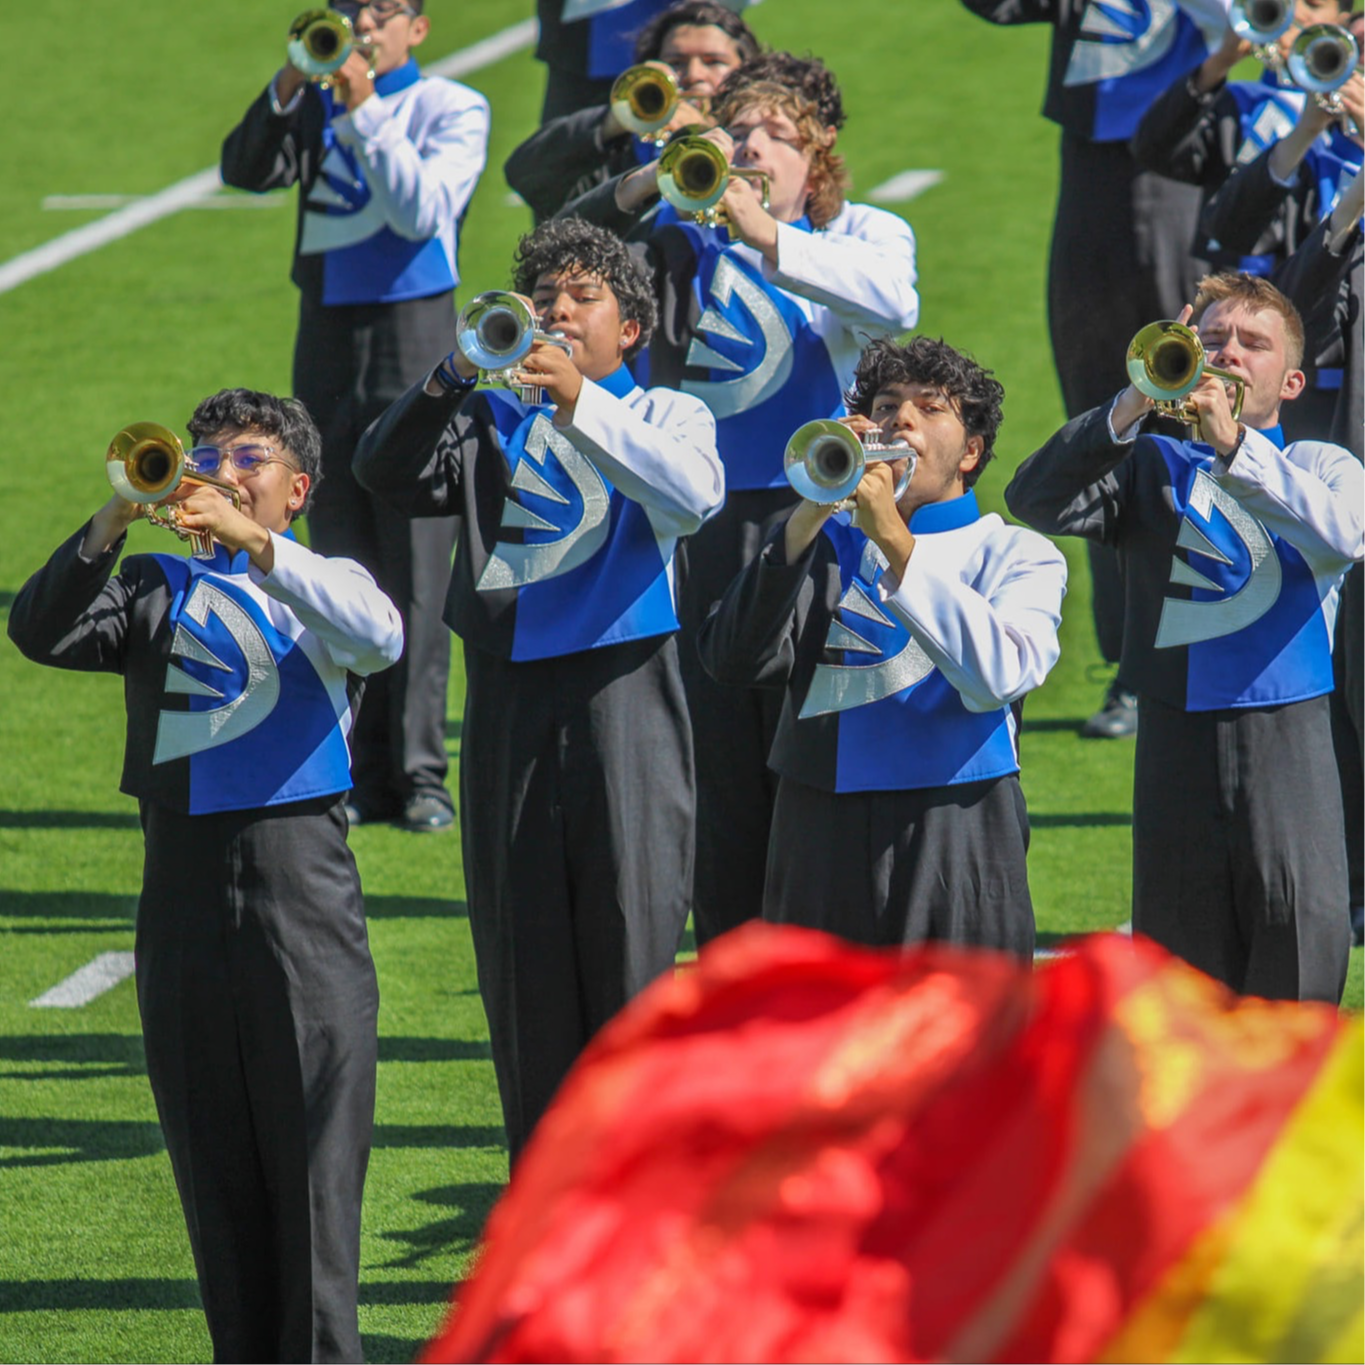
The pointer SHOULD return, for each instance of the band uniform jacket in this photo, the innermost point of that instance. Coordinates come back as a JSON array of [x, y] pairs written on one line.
[[240, 687], [382, 188], [895, 689], [568, 533], [1231, 572]]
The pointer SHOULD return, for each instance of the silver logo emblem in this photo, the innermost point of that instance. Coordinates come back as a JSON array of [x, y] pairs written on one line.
[[726, 397], [181, 733], [1187, 623], [841, 687], [514, 566], [1119, 36]]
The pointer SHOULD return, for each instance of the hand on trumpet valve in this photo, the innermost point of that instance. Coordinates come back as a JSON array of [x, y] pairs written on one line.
[[552, 369], [354, 80]]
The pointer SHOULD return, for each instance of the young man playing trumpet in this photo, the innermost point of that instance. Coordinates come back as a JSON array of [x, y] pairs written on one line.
[[385, 161], [764, 320], [254, 979], [576, 757], [902, 637], [1233, 548]]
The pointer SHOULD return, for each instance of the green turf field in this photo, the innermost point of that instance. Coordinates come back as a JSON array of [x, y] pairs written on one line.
[[94, 1263]]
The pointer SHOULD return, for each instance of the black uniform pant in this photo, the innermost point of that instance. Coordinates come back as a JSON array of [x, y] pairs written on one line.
[[1239, 862], [732, 727], [577, 810], [350, 363], [1120, 259], [900, 867], [1348, 733], [259, 1015]]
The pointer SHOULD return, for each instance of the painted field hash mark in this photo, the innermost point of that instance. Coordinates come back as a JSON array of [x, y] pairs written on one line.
[[90, 981], [904, 186]]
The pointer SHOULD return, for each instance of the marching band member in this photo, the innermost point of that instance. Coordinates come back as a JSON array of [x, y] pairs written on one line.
[[386, 161], [1122, 236], [576, 775], [700, 41], [254, 978], [1233, 551], [902, 638], [764, 321]]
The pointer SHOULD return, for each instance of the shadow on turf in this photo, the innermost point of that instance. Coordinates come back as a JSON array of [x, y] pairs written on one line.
[[74, 1056], [431, 1050], [414, 907], [96, 911], [68, 819], [470, 1205], [75, 1140], [1080, 819]]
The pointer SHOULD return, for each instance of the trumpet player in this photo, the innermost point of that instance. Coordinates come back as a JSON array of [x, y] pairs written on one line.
[[576, 758], [901, 638], [255, 984], [764, 320], [385, 161], [1233, 550], [697, 43]]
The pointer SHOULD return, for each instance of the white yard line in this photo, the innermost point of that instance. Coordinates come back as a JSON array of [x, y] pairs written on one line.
[[904, 186], [92, 980], [186, 193]]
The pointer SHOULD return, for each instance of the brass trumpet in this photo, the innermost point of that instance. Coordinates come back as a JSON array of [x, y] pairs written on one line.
[[1321, 62], [320, 41], [693, 176], [145, 463], [1261, 22], [825, 461], [644, 99], [496, 331], [1166, 361]]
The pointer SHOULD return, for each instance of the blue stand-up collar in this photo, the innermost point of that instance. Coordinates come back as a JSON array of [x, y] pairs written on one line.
[[1275, 435], [391, 82], [618, 383], [230, 562], [945, 516]]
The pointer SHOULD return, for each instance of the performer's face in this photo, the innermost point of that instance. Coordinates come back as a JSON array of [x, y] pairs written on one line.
[[701, 56], [926, 419], [275, 490], [582, 307], [1252, 345], [767, 140], [392, 31]]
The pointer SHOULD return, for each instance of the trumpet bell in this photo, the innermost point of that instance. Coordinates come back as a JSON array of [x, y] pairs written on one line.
[[496, 330], [319, 42], [693, 174], [145, 462], [1260, 21], [644, 98], [825, 462], [1322, 58], [1165, 361]]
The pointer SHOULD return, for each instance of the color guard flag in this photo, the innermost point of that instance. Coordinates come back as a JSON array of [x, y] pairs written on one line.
[[801, 1150]]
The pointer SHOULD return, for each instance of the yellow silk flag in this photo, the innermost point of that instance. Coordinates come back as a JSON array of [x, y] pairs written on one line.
[[802, 1150]]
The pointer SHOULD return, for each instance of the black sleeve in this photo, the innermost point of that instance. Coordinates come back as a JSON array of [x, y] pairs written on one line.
[[1247, 203], [266, 150], [750, 637], [548, 167], [413, 454], [1313, 279], [72, 613], [1185, 137], [1014, 11], [1075, 484]]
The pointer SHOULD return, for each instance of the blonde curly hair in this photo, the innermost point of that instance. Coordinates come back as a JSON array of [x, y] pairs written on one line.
[[826, 181]]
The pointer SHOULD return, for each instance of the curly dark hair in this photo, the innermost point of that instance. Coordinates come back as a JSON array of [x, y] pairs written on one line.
[[649, 42], [565, 244], [807, 75], [286, 419], [974, 392]]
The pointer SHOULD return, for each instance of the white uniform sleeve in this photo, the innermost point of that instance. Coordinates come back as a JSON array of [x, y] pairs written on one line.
[[1312, 494], [862, 268], [421, 188], [659, 450], [339, 602], [992, 648]]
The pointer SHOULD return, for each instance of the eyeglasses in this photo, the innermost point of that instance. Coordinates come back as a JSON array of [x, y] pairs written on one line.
[[248, 460], [381, 11]]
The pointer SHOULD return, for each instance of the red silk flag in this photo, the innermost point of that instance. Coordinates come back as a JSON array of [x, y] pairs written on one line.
[[801, 1150]]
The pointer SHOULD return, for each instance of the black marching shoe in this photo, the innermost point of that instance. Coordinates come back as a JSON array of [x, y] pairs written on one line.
[[426, 813], [1116, 718]]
